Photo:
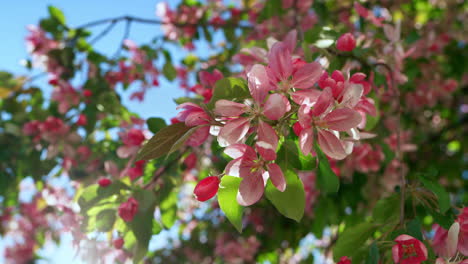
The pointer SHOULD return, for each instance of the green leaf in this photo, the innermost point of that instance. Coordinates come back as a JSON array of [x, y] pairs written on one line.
[[180, 142], [326, 178], [291, 202], [142, 223], [105, 220], [57, 14], [414, 229], [288, 156], [163, 141], [93, 194], [229, 89], [442, 195], [387, 209], [155, 124], [373, 257], [351, 239], [227, 199], [169, 71], [169, 210]]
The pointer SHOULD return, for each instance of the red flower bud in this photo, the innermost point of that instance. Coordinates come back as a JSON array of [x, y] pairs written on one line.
[[206, 188], [128, 209], [87, 93], [104, 182], [82, 120], [344, 260], [346, 42], [118, 243]]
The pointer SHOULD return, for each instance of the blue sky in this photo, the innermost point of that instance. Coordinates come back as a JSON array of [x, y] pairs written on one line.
[[18, 14]]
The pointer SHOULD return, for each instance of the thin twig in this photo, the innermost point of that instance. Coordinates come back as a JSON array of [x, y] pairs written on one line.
[[153, 22], [125, 36], [103, 33]]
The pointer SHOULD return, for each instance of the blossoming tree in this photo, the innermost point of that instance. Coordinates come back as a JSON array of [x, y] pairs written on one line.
[[344, 121]]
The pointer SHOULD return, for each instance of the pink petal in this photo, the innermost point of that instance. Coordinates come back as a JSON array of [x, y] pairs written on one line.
[[337, 76], [259, 83], [276, 106], [197, 118], [251, 189], [342, 119], [291, 40], [229, 108], [331, 145], [233, 131], [306, 140], [307, 75], [198, 137], [280, 61], [277, 176], [307, 97], [124, 152], [396, 253], [303, 114], [323, 102], [238, 150], [267, 141], [351, 95], [240, 167], [357, 77]]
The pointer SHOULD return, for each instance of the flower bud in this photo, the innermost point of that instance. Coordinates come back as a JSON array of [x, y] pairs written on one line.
[[346, 42], [118, 243], [128, 209], [206, 188], [104, 182]]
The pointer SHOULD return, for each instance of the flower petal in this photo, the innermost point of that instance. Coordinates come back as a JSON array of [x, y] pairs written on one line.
[[251, 189], [276, 106], [229, 108], [342, 119], [307, 97], [306, 76], [331, 145], [259, 83], [277, 176], [233, 131], [280, 62], [267, 141], [306, 140], [323, 102]]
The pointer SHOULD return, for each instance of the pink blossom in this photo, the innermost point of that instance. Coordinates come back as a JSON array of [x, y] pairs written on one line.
[[193, 115], [463, 236], [254, 171], [328, 123], [282, 73], [408, 250], [445, 242], [128, 209], [272, 106], [346, 42]]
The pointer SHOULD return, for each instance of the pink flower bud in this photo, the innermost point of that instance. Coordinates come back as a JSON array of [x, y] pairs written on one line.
[[128, 209], [118, 243], [206, 188], [104, 182], [346, 42]]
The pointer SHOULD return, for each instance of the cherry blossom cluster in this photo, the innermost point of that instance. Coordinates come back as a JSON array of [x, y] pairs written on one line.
[[328, 109]]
